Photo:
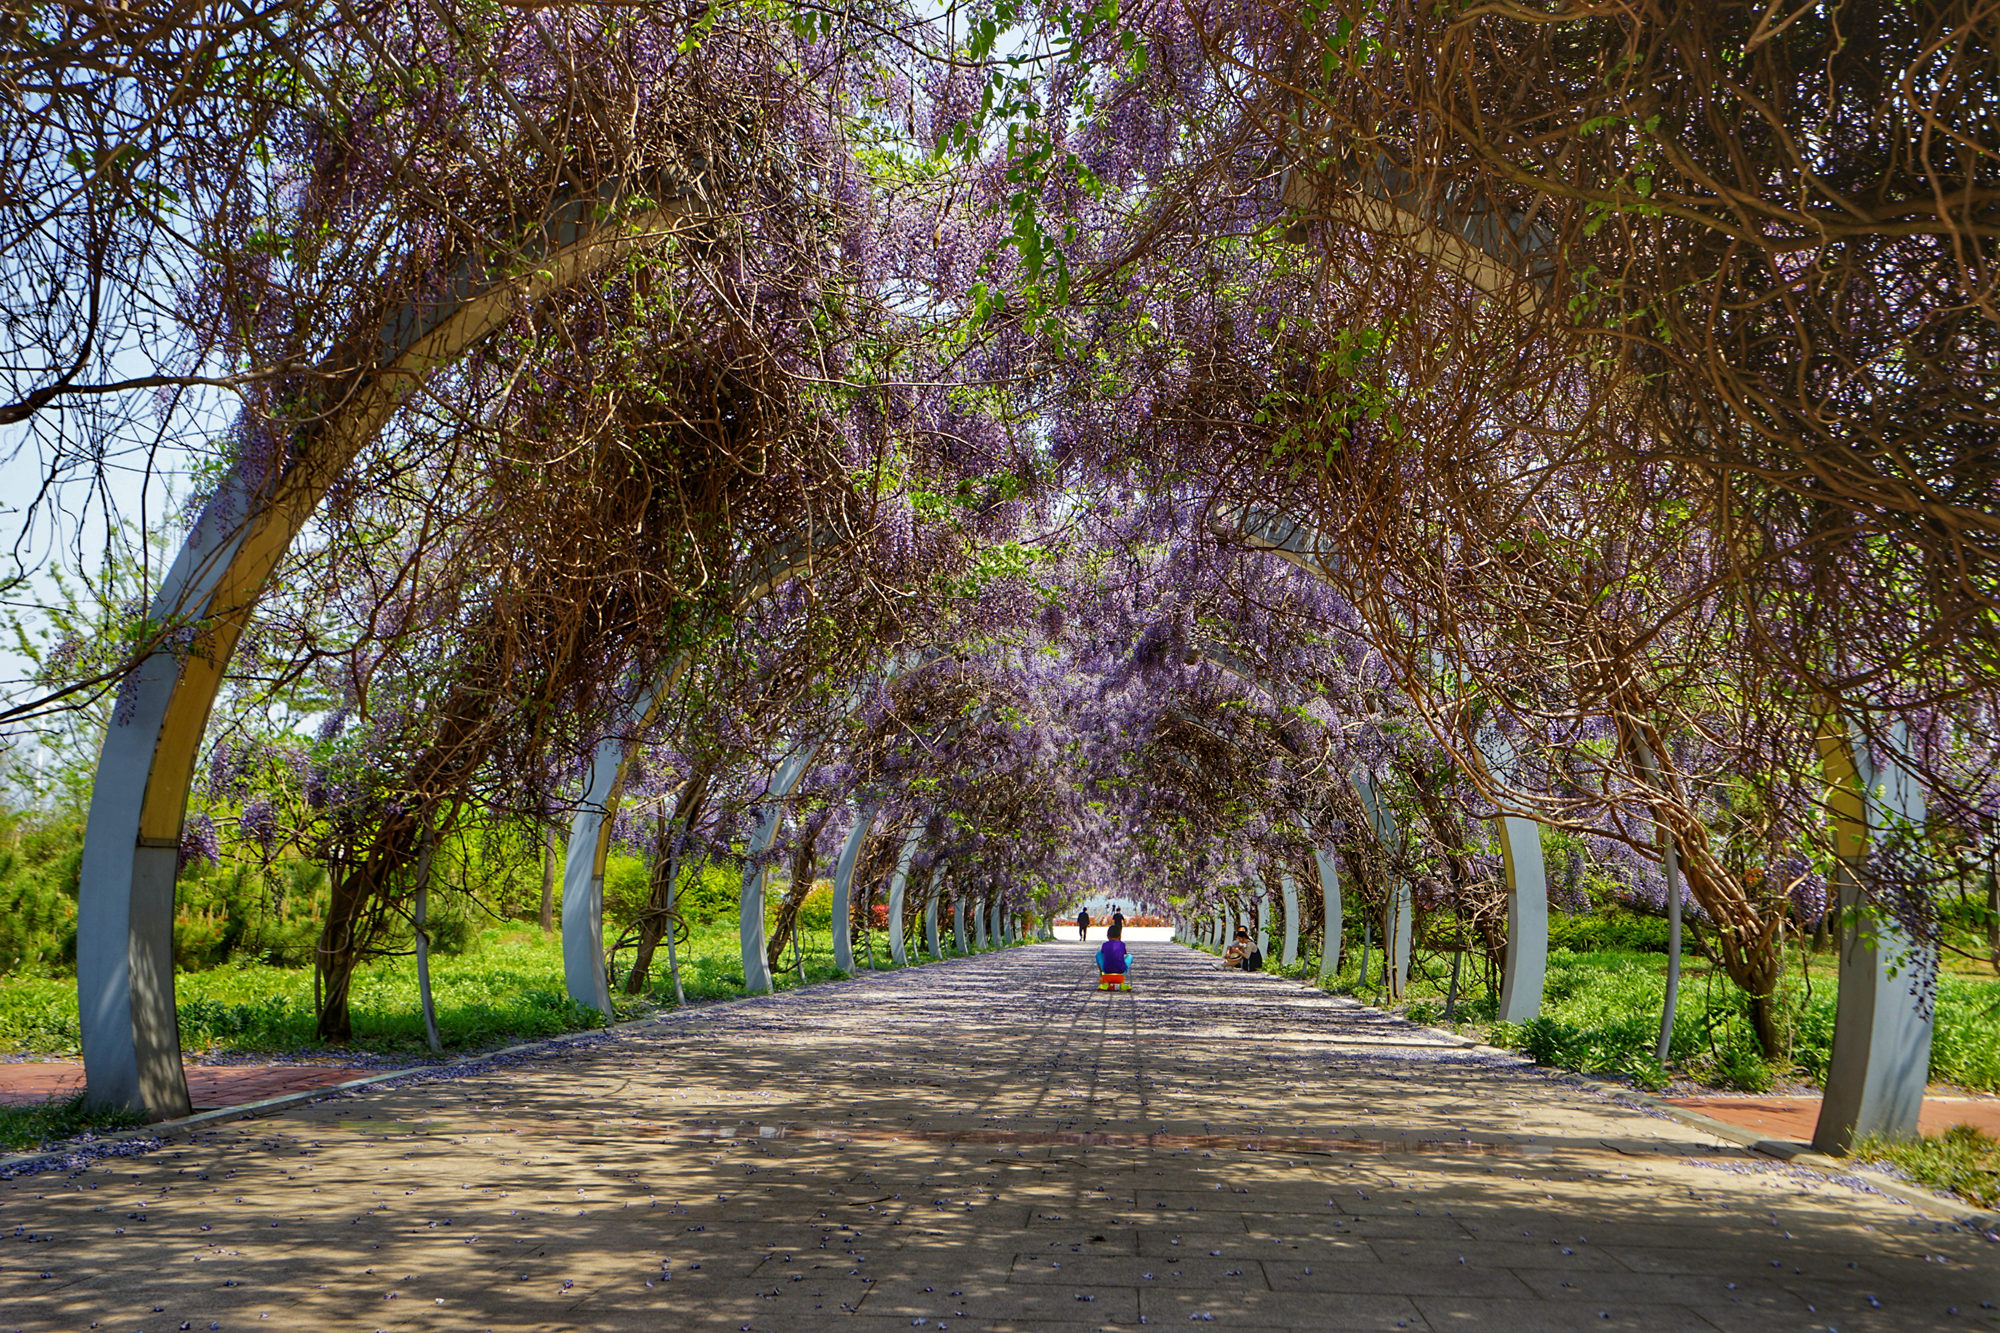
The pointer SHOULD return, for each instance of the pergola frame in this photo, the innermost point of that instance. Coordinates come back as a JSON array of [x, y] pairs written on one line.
[[125, 980]]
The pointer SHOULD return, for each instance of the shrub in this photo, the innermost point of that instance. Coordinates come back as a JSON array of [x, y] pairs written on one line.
[[713, 893], [1595, 932], [38, 881], [816, 912]]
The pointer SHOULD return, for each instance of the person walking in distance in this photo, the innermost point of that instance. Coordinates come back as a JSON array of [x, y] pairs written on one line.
[[1083, 923]]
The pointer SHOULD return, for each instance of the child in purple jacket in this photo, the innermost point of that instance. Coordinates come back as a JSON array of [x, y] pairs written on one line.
[[1112, 960]]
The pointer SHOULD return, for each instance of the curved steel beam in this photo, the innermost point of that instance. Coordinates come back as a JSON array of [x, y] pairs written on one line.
[[1399, 911], [1525, 965], [1882, 1024], [589, 846], [1494, 246], [125, 898], [899, 879], [1331, 924], [1290, 885], [843, 887], [763, 830]]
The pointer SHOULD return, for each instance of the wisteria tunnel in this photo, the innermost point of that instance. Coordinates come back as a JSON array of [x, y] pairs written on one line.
[[1466, 538]]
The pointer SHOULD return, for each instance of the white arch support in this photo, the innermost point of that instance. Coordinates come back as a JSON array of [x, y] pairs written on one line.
[[125, 896], [589, 846], [958, 941], [1331, 924], [1290, 884], [843, 887], [1882, 1025], [764, 822], [1397, 923], [898, 886], [1525, 966]]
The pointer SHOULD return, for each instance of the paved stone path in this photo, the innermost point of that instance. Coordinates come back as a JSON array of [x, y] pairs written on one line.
[[987, 1144]]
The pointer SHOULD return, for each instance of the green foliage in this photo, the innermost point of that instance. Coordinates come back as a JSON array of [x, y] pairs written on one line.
[[714, 894], [506, 986], [1965, 1048], [627, 882], [1593, 932], [249, 908], [1963, 1160], [816, 912], [1617, 1047], [38, 879], [1601, 1015], [27, 1128], [269, 914]]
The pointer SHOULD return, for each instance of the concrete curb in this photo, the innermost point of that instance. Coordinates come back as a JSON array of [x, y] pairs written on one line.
[[1939, 1207]]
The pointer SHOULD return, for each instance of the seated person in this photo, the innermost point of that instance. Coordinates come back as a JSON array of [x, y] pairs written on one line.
[[1112, 961], [1240, 952]]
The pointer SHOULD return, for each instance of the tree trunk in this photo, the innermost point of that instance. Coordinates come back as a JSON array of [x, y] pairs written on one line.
[[421, 919], [353, 917], [656, 918], [1993, 909], [803, 857]]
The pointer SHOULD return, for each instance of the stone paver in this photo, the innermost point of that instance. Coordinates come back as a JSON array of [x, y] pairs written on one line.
[[988, 1144]]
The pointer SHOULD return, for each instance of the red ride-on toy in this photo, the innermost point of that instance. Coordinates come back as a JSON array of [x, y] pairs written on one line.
[[1112, 981]]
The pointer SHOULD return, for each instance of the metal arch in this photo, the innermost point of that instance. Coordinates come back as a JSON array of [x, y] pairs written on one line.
[[1881, 1030], [1290, 884], [1498, 249], [1882, 1027], [1263, 911], [763, 831], [1331, 924], [125, 899], [589, 846], [1397, 929], [843, 885], [1524, 968], [898, 890]]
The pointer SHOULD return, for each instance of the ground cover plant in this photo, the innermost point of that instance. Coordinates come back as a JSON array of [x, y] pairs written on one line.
[[1964, 1160], [507, 987], [1601, 1015], [27, 1128]]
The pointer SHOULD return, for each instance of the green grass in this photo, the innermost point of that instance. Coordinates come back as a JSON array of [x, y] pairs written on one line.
[[1601, 1015], [508, 986], [1963, 1160], [27, 1128]]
